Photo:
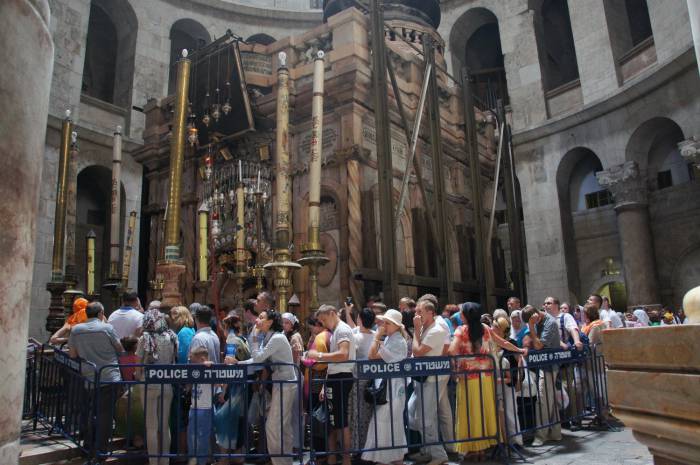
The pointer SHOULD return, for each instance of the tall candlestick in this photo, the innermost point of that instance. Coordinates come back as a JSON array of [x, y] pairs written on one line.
[[115, 205], [90, 278], [177, 157], [71, 212], [282, 263], [313, 255], [283, 186], [59, 231], [240, 222], [240, 171], [203, 242], [171, 267], [126, 267], [316, 145]]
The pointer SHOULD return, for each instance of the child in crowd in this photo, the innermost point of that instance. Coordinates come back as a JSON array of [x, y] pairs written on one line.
[[526, 389], [199, 428], [129, 357], [129, 407]]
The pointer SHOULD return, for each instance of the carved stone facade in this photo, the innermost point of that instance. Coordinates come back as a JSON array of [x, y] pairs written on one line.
[[349, 163]]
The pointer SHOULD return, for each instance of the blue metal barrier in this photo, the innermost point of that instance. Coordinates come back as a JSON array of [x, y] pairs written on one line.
[[548, 388], [388, 429], [62, 395], [212, 412], [216, 419]]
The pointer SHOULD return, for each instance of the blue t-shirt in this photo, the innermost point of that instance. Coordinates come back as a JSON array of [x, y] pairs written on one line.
[[184, 338]]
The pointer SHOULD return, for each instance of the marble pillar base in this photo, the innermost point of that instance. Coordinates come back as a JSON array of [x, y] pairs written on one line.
[[653, 380], [9, 452], [171, 272]]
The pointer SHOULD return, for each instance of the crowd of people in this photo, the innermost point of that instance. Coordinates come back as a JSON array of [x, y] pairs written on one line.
[[460, 416]]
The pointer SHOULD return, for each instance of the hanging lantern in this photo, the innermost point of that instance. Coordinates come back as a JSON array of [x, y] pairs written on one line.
[[192, 135], [216, 112], [215, 229], [226, 108], [208, 166], [206, 119]]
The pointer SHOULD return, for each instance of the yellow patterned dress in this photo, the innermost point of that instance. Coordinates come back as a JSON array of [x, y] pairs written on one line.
[[476, 401]]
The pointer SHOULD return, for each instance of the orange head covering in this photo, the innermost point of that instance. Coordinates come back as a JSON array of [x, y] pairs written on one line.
[[79, 315]]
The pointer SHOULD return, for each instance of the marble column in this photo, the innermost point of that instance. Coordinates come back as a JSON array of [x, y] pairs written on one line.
[[628, 187], [27, 56]]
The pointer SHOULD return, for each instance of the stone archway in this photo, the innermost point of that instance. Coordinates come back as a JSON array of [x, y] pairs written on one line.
[[187, 34], [110, 52], [475, 41], [93, 214], [577, 188]]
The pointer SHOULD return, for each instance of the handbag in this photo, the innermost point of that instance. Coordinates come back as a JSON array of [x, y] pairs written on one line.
[[376, 394], [320, 413]]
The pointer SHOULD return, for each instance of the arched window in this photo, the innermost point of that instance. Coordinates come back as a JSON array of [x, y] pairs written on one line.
[[109, 53], [584, 191], [638, 20], [555, 42], [654, 146], [100, 56], [262, 39], [631, 36], [476, 43], [665, 160], [184, 34]]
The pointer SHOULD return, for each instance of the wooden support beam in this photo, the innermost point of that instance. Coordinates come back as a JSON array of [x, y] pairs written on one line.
[[384, 156]]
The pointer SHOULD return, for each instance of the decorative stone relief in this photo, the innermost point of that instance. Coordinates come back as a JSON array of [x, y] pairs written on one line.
[[690, 151], [625, 182], [308, 50]]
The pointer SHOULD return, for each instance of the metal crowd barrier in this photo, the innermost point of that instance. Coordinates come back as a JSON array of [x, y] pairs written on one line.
[[414, 389], [549, 388], [435, 405], [63, 395], [218, 411]]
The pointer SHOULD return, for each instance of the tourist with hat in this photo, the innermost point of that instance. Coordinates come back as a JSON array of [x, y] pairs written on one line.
[[386, 428]]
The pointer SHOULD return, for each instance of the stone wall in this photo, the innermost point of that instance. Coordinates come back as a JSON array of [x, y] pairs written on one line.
[[561, 260]]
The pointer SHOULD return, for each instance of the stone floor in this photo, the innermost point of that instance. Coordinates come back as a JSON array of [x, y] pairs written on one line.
[[595, 447]]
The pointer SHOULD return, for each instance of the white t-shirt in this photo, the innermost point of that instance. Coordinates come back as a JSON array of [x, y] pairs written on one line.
[[126, 321], [342, 333], [363, 341], [441, 321], [201, 396], [612, 318], [569, 323], [434, 337]]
